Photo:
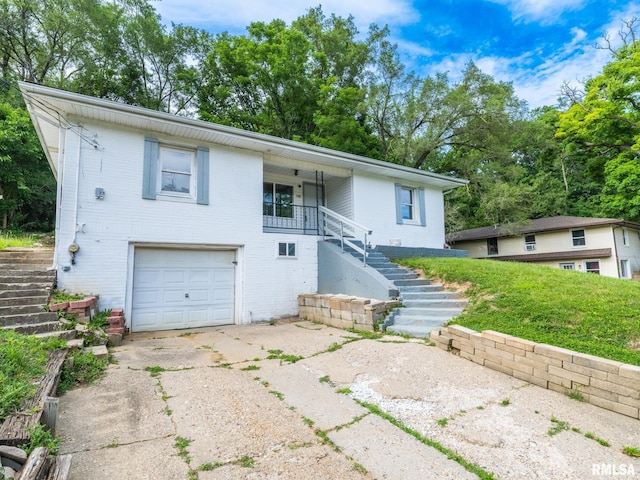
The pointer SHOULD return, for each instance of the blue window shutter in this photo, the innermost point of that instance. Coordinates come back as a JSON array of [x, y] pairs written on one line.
[[202, 176], [150, 172], [399, 203], [423, 208]]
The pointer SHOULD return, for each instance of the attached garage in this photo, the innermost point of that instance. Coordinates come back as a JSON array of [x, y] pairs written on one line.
[[174, 289]]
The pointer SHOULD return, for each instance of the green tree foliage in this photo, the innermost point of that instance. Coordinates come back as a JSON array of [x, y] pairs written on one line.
[[26, 184], [602, 127], [299, 82]]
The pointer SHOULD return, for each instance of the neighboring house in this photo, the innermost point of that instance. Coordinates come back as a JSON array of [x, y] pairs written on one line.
[[185, 223], [605, 246]]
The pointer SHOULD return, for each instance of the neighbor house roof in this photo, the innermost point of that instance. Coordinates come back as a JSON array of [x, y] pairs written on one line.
[[539, 225], [51, 109]]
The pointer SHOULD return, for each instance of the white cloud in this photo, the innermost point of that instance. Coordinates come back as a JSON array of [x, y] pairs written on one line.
[[235, 15], [543, 11]]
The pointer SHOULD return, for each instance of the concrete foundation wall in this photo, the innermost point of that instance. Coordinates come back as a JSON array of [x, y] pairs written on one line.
[[343, 273], [343, 311], [606, 383]]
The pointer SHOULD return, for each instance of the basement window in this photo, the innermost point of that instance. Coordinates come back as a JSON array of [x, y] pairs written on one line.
[[287, 250]]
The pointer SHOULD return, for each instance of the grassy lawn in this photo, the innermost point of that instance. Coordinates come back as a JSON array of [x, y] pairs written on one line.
[[579, 311], [17, 239]]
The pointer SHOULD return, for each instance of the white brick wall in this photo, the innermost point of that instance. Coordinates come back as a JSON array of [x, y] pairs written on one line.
[[233, 218]]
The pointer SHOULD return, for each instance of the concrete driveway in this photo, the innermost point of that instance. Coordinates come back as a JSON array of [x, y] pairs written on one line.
[[210, 404]]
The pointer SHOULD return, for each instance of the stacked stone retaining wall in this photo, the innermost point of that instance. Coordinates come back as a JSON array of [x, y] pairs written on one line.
[[606, 383], [343, 311]]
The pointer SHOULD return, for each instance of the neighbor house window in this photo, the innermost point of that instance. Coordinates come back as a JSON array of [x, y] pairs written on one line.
[[492, 246], [625, 237], [277, 200], [624, 268], [592, 267], [529, 243], [410, 205], [176, 167], [578, 238], [175, 173], [287, 249]]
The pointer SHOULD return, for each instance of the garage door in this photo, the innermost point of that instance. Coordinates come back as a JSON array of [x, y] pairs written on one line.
[[175, 289]]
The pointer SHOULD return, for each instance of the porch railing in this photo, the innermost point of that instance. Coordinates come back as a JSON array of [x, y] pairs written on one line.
[[346, 231], [297, 218]]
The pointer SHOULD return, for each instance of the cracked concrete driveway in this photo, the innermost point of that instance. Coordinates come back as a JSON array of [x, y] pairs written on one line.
[[297, 400]]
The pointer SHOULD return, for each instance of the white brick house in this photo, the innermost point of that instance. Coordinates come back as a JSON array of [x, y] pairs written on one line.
[[185, 223]]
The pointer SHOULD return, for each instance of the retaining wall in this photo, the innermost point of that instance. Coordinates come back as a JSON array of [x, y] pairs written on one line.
[[343, 311], [606, 383]]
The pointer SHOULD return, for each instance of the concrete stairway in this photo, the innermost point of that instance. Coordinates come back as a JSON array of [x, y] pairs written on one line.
[[25, 286], [425, 305]]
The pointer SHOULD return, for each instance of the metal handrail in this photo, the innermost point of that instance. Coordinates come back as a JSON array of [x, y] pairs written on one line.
[[337, 226]]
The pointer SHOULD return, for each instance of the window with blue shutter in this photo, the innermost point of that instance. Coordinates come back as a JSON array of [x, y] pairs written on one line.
[[173, 172]]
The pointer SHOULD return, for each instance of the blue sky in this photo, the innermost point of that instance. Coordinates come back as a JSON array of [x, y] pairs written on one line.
[[534, 44]]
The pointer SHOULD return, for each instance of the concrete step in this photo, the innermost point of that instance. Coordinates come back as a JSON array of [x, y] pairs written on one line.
[[24, 266], [436, 303], [34, 328], [420, 288], [430, 295], [40, 300], [27, 292], [440, 312], [20, 310], [6, 279], [28, 318], [44, 273], [414, 282], [61, 334], [25, 286], [418, 330]]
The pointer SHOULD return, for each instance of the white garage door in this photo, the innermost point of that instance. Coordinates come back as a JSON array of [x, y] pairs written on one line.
[[175, 289]]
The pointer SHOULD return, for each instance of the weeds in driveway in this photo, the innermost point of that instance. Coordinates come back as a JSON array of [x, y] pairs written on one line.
[[443, 422], [576, 395], [505, 402], [85, 369], [181, 445], [249, 368], [277, 394], [344, 391], [557, 427], [631, 451], [279, 355], [469, 466], [601, 441]]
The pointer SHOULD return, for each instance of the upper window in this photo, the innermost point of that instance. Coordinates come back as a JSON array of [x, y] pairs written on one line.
[[173, 172], [529, 243], [277, 200], [176, 167], [578, 238], [492, 246], [625, 237], [410, 205]]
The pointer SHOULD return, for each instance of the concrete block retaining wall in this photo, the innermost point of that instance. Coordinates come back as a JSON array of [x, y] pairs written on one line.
[[606, 383], [343, 311]]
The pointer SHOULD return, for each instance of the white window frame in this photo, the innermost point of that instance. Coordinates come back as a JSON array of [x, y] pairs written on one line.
[[592, 270], [530, 245], [191, 195], [625, 237], [583, 237], [415, 214], [624, 269], [567, 266], [288, 252]]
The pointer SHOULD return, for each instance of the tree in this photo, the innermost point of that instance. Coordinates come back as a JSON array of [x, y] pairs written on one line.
[[602, 125], [26, 184]]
